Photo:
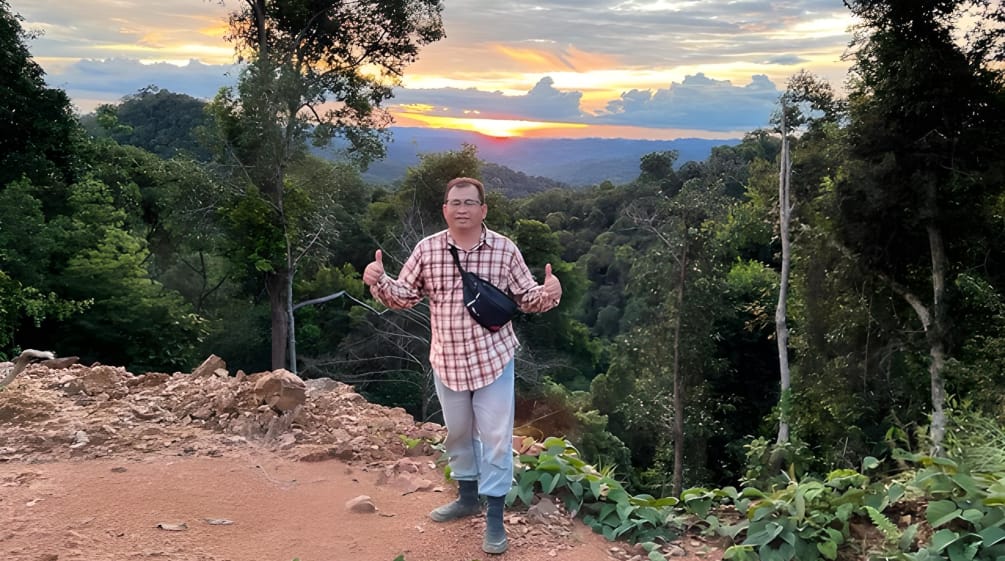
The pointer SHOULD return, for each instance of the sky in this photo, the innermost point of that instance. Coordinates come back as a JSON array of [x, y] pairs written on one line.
[[644, 69]]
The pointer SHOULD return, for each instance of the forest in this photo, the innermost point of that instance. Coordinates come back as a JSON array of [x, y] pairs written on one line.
[[827, 291]]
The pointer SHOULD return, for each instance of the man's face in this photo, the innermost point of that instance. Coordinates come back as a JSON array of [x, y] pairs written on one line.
[[463, 210]]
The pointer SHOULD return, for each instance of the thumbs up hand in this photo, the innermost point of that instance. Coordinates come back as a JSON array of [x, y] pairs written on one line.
[[375, 270], [552, 287]]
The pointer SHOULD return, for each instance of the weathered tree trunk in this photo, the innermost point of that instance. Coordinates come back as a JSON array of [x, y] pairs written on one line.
[[678, 385], [277, 283], [936, 336], [781, 325]]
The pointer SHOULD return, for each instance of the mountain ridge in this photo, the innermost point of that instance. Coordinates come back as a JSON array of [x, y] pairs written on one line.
[[570, 161]]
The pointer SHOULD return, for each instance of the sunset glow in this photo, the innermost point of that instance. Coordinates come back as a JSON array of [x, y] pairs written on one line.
[[500, 128], [653, 69]]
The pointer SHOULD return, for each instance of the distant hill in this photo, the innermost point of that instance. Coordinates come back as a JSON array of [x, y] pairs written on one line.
[[573, 162]]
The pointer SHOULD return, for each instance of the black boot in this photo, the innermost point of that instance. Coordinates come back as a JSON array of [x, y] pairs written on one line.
[[495, 533], [465, 505]]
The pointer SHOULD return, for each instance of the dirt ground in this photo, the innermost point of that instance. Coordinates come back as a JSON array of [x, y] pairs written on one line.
[[98, 464]]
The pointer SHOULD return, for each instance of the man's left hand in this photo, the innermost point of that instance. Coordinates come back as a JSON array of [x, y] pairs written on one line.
[[552, 287]]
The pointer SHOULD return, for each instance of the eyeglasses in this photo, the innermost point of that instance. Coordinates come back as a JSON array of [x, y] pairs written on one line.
[[465, 202]]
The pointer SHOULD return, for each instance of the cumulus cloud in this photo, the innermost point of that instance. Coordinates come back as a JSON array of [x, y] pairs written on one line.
[[109, 80], [699, 102], [543, 102]]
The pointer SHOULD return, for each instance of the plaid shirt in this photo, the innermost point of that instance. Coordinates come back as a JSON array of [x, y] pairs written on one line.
[[465, 355]]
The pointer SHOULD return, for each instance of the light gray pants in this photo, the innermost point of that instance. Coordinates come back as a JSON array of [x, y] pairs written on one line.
[[480, 433]]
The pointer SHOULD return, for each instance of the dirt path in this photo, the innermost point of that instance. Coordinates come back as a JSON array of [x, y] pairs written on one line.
[[97, 464], [98, 510]]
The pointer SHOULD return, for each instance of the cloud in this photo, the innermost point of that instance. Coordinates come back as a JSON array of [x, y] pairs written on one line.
[[786, 60], [699, 102], [109, 80], [603, 61], [543, 102]]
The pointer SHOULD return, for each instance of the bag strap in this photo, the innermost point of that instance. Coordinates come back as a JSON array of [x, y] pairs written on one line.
[[457, 260]]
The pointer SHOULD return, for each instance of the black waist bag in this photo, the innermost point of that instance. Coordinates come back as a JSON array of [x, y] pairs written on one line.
[[488, 305]]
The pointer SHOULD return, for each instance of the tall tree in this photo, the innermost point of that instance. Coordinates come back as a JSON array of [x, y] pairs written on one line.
[[926, 123], [681, 276], [781, 310], [37, 130], [319, 69]]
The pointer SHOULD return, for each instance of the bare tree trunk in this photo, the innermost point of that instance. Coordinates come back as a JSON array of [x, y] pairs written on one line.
[[291, 321], [678, 385], [936, 336], [933, 321], [277, 283], [781, 325]]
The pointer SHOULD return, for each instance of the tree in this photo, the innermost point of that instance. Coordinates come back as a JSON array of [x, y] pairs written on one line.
[[781, 315], [926, 123], [162, 122], [682, 279], [39, 132], [318, 69], [805, 94]]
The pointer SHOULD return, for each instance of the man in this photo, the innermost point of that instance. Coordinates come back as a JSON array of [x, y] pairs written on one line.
[[473, 366]]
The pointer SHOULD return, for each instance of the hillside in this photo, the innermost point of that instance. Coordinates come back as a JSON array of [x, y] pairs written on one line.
[[99, 464]]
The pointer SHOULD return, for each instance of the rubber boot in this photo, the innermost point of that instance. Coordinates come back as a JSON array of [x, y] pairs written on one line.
[[465, 505], [495, 533]]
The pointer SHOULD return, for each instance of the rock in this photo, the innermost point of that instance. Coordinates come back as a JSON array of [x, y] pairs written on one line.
[[80, 439], [361, 504], [209, 367], [281, 389], [104, 379], [542, 510], [61, 363]]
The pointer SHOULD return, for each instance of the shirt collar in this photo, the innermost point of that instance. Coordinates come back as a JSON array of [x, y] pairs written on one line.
[[486, 239]]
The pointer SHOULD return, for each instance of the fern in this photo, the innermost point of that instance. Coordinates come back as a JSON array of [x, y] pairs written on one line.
[[889, 530]]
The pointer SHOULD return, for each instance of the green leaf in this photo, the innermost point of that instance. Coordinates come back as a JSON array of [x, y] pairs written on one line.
[[828, 549], [606, 510], [895, 492], [906, 541], [625, 510], [991, 536], [739, 553], [577, 489], [765, 535], [869, 463], [972, 515], [784, 552], [753, 493], [943, 539], [939, 513], [548, 482]]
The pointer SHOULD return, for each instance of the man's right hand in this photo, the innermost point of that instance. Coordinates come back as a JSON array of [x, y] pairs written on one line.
[[374, 270]]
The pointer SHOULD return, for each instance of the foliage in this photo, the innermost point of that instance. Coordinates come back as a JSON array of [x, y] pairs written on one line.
[[608, 508], [966, 510], [162, 122], [18, 303], [975, 440], [771, 463], [40, 134]]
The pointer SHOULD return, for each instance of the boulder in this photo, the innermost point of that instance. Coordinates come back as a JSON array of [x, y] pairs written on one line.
[[209, 367], [281, 390]]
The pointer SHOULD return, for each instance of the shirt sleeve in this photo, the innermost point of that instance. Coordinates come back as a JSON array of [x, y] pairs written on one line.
[[405, 291], [529, 295]]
